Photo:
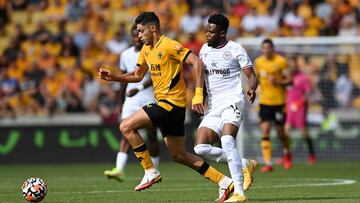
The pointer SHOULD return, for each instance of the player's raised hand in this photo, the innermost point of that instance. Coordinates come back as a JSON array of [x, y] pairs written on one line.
[[105, 74], [252, 95], [198, 102]]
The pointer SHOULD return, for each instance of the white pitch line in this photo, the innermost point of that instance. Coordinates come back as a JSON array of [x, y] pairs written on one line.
[[335, 182], [330, 182]]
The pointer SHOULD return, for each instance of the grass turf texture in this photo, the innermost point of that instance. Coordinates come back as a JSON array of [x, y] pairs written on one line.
[[86, 183]]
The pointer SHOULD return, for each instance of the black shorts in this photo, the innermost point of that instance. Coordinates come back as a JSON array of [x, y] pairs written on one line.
[[272, 113], [169, 122]]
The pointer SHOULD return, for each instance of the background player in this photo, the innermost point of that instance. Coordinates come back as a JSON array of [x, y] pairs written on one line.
[[271, 68], [164, 57], [137, 95], [296, 106], [224, 61]]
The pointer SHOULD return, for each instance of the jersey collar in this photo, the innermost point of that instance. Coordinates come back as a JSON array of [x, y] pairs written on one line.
[[222, 45], [158, 43]]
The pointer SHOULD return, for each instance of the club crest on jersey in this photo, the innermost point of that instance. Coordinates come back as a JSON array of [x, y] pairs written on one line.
[[160, 55], [227, 55], [179, 49]]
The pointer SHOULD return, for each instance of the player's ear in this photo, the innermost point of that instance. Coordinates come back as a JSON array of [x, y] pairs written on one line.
[[222, 33], [153, 28]]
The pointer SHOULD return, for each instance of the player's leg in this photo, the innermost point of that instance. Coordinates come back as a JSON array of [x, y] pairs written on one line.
[[176, 146], [205, 138], [228, 144], [284, 137], [208, 134], [153, 146], [266, 116], [301, 124], [128, 127], [117, 173]]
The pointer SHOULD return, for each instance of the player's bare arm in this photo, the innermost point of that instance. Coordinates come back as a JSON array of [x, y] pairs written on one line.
[[285, 80], [253, 83], [131, 77], [198, 67]]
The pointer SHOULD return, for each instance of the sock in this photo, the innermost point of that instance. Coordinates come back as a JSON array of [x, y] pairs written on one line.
[[142, 154], [310, 145], [155, 160], [234, 162], [266, 150], [121, 159], [216, 154], [210, 173], [209, 152]]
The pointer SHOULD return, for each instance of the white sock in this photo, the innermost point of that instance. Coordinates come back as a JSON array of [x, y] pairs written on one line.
[[155, 160], [210, 153], [121, 159], [217, 154], [234, 162]]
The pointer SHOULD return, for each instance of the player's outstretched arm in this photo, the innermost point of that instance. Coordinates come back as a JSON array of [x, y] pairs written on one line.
[[131, 77], [253, 83], [198, 67]]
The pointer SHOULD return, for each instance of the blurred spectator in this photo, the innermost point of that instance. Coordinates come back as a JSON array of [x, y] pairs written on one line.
[[294, 20], [55, 10], [91, 90], [69, 46], [324, 10], [75, 9], [249, 22], [109, 106], [343, 90], [348, 26], [119, 43], [11, 52], [20, 33], [16, 5], [62, 32], [193, 43], [73, 102], [327, 86], [82, 37], [42, 34], [191, 22]]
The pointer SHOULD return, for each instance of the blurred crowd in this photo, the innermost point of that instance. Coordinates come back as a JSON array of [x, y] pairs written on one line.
[[50, 50]]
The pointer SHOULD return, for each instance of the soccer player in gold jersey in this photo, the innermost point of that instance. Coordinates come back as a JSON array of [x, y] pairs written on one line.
[[271, 69], [164, 58]]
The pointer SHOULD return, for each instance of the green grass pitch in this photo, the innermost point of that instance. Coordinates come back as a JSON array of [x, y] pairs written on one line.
[[324, 182]]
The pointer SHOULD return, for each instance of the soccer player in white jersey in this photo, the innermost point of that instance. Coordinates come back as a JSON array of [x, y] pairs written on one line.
[[137, 95], [224, 62]]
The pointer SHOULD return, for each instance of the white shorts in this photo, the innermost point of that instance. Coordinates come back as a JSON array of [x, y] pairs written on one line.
[[216, 117], [132, 105]]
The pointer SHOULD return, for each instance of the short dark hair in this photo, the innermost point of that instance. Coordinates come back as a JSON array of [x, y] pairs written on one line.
[[221, 21], [268, 41], [147, 18]]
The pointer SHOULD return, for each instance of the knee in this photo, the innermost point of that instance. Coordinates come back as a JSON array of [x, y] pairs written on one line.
[[125, 127], [202, 149]]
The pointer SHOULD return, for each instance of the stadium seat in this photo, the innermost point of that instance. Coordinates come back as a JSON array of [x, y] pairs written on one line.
[[4, 43], [38, 16], [19, 17]]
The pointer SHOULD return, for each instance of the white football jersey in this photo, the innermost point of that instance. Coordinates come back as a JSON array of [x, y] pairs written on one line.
[[128, 62], [223, 68]]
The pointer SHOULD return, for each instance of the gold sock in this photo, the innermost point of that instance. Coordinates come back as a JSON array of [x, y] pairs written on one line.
[[143, 155], [266, 150], [210, 173]]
